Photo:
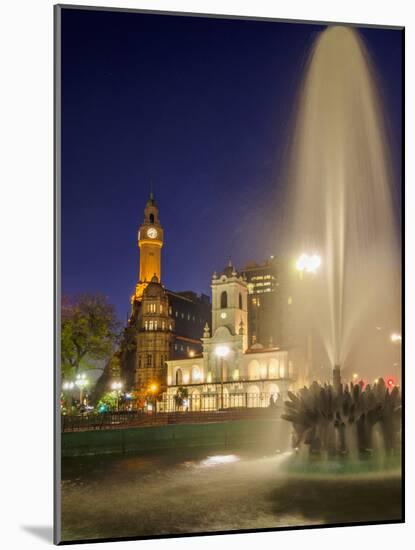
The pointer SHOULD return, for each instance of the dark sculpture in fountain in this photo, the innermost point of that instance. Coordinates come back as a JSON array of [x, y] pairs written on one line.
[[339, 419]]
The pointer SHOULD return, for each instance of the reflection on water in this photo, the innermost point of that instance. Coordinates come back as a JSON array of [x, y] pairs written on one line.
[[194, 490], [219, 459]]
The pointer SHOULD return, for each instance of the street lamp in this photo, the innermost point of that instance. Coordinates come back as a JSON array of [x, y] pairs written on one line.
[[221, 352], [116, 386], [67, 387], [153, 390], [81, 381], [308, 263]]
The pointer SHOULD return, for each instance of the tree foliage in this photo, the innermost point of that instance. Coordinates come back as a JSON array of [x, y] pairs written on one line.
[[180, 396], [89, 331]]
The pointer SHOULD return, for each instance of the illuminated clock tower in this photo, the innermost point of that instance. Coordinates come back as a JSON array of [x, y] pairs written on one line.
[[150, 241]]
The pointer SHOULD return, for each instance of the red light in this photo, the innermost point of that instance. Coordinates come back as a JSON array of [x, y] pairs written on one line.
[[390, 382]]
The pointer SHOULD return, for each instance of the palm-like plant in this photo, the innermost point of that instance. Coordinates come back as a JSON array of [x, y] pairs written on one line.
[[333, 421]]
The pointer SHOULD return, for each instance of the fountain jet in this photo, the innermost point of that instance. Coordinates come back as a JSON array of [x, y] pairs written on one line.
[[341, 202]]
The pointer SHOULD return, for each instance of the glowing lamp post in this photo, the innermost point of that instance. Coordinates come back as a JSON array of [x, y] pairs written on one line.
[[116, 386], [308, 263], [81, 381], [221, 352], [153, 388], [67, 387]]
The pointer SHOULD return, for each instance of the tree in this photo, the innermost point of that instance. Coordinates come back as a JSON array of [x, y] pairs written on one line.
[[89, 331], [108, 402], [180, 396]]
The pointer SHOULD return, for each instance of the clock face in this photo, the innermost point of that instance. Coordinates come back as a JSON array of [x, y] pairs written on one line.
[[223, 315], [152, 233]]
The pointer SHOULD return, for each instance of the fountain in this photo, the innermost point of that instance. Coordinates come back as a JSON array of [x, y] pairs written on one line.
[[341, 206], [342, 421]]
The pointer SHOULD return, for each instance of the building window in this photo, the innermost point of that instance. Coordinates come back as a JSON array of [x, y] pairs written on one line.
[[151, 218], [149, 360], [176, 313], [150, 325], [240, 301], [182, 315], [179, 377], [145, 325], [224, 299], [155, 325], [163, 325]]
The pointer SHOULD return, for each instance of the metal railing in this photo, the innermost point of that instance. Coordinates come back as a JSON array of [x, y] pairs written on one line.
[[217, 401], [171, 409]]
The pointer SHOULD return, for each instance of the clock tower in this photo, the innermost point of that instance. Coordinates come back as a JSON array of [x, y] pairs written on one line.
[[150, 241]]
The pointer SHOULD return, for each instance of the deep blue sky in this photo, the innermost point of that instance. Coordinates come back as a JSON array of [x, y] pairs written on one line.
[[198, 108]]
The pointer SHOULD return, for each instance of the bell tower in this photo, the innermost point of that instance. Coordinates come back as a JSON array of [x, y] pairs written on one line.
[[229, 303], [150, 242]]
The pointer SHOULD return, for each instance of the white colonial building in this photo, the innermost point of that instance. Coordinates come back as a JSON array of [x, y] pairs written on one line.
[[228, 374]]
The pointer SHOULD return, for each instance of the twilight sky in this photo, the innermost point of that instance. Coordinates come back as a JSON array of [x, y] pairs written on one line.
[[199, 109]]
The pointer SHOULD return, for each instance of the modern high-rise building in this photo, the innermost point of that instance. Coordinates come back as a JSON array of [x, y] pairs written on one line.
[[264, 303]]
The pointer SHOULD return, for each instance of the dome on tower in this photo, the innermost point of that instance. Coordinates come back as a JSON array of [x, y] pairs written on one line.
[[229, 270]]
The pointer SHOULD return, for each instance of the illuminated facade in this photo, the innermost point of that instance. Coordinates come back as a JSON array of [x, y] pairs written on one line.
[[163, 324], [150, 242], [228, 373], [155, 336]]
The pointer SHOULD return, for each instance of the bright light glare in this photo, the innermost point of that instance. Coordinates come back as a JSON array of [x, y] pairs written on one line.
[[222, 351], [81, 380], [307, 263], [219, 459], [116, 385], [396, 338]]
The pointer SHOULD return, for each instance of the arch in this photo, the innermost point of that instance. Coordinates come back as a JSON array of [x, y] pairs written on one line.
[[240, 301], [263, 371], [273, 389], [223, 299], [196, 375], [273, 368], [179, 377], [151, 218], [253, 370]]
